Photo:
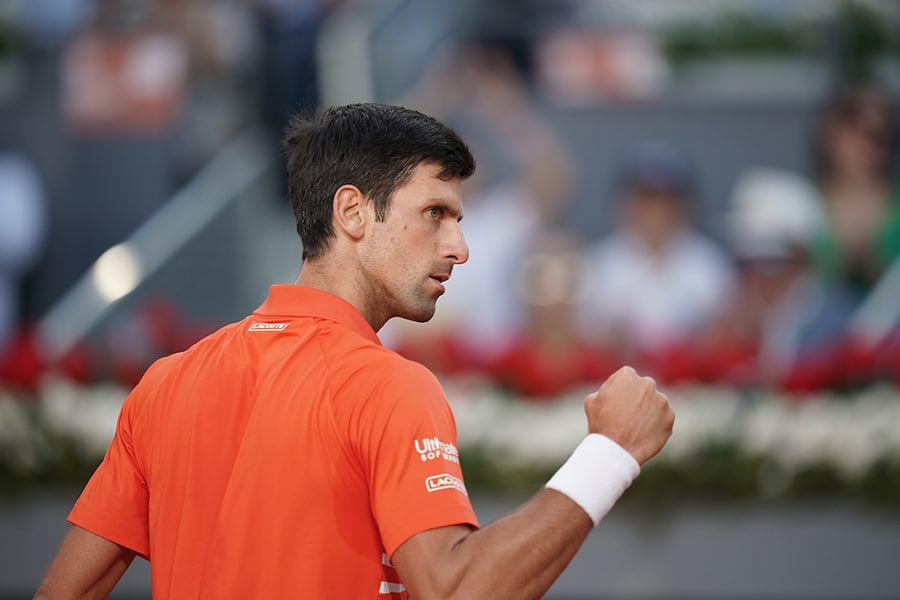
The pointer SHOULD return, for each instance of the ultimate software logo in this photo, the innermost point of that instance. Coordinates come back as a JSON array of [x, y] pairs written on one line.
[[433, 448]]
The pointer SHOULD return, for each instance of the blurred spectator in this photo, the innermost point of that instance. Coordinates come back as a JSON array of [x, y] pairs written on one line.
[[50, 22], [290, 29], [22, 234], [856, 159], [655, 278], [504, 209], [23, 223], [223, 44], [125, 72], [782, 325], [549, 355]]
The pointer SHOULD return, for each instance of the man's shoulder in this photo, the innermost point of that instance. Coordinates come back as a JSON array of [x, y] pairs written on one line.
[[162, 367], [371, 368], [382, 363], [388, 383]]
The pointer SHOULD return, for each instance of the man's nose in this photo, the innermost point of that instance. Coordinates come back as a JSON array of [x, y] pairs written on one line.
[[457, 248]]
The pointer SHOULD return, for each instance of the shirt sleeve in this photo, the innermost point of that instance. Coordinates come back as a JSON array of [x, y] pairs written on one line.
[[115, 503], [406, 440]]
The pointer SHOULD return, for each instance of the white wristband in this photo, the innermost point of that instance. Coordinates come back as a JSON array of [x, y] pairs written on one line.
[[596, 475]]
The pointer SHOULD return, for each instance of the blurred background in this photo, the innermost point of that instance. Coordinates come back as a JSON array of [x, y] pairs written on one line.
[[705, 190]]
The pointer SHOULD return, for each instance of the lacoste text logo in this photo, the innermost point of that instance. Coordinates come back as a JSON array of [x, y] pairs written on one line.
[[445, 481], [268, 327]]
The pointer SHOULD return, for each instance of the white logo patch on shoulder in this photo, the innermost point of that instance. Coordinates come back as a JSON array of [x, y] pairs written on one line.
[[433, 448], [268, 327], [445, 481]]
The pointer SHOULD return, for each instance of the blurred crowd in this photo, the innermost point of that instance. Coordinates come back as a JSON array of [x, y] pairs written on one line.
[[109, 106], [798, 291]]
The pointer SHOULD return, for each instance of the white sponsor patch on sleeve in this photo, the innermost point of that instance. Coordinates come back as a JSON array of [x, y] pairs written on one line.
[[434, 448], [445, 481]]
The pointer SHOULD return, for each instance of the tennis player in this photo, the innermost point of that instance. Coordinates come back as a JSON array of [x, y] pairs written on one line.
[[290, 455]]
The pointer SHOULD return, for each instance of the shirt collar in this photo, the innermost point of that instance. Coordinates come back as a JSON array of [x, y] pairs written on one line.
[[287, 300]]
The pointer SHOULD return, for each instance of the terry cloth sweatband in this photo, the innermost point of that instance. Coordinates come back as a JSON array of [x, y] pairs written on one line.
[[596, 475]]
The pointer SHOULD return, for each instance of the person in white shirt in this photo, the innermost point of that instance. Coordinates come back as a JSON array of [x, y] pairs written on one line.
[[653, 246]]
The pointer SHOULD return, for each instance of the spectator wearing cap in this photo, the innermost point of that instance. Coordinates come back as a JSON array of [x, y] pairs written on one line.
[[654, 278], [783, 326]]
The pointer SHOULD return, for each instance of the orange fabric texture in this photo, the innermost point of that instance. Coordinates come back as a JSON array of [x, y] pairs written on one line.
[[286, 455]]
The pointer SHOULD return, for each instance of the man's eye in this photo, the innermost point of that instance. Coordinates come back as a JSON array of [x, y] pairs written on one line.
[[433, 212]]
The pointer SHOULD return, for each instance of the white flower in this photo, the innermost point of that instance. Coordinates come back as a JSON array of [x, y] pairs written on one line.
[[22, 446], [86, 415], [786, 434], [704, 417]]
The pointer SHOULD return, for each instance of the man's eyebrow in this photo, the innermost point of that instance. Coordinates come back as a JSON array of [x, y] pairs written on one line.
[[447, 207]]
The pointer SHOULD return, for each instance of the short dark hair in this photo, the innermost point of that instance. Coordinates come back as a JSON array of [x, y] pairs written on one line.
[[847, 103], [374, 147]]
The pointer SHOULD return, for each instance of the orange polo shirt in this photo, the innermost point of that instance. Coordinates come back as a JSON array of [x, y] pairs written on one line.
[[284, 456]]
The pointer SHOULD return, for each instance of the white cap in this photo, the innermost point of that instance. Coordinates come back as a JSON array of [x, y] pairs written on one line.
[[773, 211]]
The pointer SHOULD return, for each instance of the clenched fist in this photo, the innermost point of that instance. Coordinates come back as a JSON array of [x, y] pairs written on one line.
[[630, 410]]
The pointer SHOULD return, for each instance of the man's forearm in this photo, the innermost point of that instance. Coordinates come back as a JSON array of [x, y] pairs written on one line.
[[522, 554], [86, 566], [516, 557]]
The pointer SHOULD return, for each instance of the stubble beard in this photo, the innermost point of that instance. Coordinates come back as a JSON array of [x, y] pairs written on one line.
[[419, 303], [420, 308]]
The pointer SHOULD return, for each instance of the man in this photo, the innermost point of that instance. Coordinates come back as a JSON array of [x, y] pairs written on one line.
[[290, 455]]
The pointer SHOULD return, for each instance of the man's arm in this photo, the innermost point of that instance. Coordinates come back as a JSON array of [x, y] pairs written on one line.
[[521, 555], [85, 566], [518, 556]]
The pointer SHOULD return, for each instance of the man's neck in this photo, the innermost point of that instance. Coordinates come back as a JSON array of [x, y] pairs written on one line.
[[340, 280]]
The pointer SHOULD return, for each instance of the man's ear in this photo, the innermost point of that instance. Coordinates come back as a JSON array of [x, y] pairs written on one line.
[[351, 210]]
